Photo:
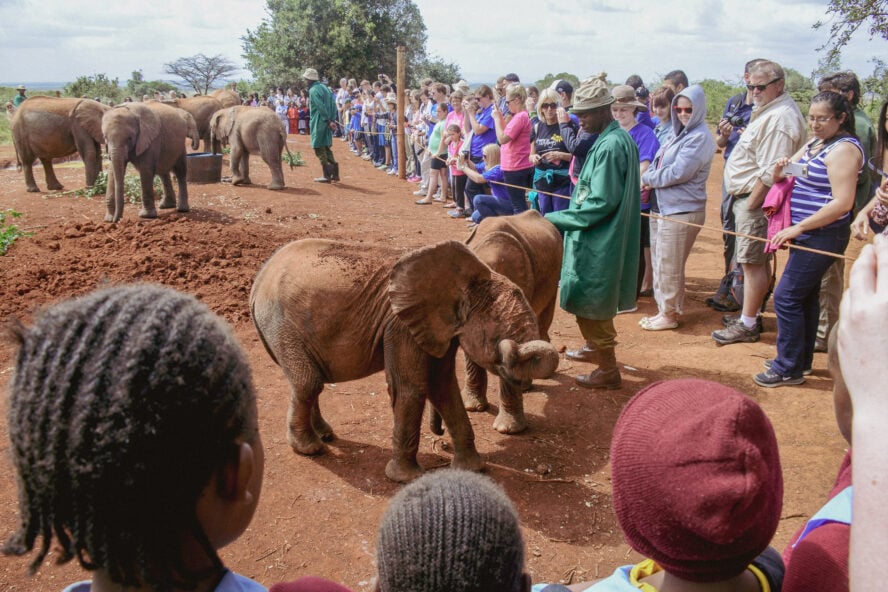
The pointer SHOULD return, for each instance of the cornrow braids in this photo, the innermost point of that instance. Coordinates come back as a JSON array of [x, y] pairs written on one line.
[[123, 404], [450, 531]]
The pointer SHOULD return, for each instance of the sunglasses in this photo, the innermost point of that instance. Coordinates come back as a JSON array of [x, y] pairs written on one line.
[[761, 87], [548, 105], [687, 110]]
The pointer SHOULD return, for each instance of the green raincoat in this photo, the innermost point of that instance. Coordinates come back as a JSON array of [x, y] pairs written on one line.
[[323, 110], [601, 228]]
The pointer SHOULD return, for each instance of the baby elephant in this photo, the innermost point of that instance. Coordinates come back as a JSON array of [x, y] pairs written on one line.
[[330, 311], [249, 130]]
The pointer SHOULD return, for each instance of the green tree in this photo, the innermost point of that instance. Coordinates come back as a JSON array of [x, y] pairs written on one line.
[[717, 94], [137, 86], [339, 38], [800, 88], [548, 79], [875, 88], [847, 16], [97, 86], [438, 70], [201, 71]]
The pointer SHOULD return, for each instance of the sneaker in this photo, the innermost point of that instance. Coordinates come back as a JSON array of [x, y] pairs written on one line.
[[723, 303], [392, 172], [736, 333], [771, 379], [767, 365], [420, 192], [414, 179], [366, 157], [729, 320], [628, 310]]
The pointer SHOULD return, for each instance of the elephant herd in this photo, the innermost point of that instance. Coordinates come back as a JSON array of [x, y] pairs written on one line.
[[150, 135]]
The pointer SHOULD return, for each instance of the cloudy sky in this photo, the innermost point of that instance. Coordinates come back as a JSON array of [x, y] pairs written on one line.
[[58, 40]]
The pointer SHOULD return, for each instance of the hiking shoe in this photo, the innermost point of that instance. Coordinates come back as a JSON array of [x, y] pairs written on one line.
[[729, 320], [771, 379], [723, 303], [736, 333], [419, 192], [767, 365]]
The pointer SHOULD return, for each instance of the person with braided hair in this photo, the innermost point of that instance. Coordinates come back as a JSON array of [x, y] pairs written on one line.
[[134, 431]]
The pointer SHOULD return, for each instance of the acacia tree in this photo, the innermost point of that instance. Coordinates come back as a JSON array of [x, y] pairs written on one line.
[[850, 15], [200, 71], [351, 38]]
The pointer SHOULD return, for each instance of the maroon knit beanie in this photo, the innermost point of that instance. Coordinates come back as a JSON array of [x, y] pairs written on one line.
[[697, 485]]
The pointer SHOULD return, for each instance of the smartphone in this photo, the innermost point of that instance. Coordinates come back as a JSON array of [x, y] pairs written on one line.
[[795, 169]]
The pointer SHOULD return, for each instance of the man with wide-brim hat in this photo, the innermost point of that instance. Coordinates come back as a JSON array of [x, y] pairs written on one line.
[[20, 97], [322, 106], [601, 235]]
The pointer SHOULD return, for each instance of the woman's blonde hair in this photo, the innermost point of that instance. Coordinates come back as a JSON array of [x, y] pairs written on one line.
[[516, 90], [547, 95], [492, 152]]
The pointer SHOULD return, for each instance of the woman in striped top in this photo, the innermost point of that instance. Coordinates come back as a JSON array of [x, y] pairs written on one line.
[[820, 206]]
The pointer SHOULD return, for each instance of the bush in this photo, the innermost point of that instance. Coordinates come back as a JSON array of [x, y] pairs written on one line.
[[132, 187], [717, 94], [9, 233]]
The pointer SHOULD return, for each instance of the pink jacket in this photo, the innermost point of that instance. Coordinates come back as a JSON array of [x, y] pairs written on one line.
[[776, 208]]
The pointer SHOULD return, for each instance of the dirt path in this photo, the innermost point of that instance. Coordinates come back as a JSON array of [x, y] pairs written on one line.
[[318, 516]]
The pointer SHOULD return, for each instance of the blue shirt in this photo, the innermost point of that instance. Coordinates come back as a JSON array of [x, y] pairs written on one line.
[[479, 141], [231, 582]]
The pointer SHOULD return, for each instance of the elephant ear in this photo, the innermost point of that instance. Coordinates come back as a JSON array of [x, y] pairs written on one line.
[[507, 255], [428, 290], [149, 128], [87, 114], [230, 121]]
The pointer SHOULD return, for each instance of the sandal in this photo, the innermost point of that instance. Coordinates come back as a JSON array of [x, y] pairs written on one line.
[[422, 202], [457, 213]]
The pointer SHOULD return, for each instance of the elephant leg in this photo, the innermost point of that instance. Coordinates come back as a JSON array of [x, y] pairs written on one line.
[[30, 182], [407, 405], [319, 424], [474, 395], [274, 165], [52, 183], [181, 172], [91, 154], [245, 168], [510, 419], [444, 395], [110, 198], [301, 414], [237, 156], [169, 196], [147, 181]]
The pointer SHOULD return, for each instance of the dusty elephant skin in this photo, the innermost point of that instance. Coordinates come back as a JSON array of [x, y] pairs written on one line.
[[251, 131], [527, 249], [152, 137], [227, 97], [330, 311], [48, 127], [202, 109]]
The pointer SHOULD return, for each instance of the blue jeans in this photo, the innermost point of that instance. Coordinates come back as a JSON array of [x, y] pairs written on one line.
[[797, 298], [487, 206], [522, 178]]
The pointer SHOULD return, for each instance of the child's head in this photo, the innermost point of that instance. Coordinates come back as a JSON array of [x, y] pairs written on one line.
[[450, 530], [697, 485], [134, 434], [442, 111], [454, 132]]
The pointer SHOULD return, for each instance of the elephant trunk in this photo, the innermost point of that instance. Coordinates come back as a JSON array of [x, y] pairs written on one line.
[[114, 193], [542, 357]]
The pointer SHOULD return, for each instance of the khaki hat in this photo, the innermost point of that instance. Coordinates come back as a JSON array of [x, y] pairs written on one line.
[[591, 94], [391, 98], [310, 74], [21, 87], [625, 95]]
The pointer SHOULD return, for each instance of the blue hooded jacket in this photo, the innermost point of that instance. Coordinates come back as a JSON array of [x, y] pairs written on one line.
[[681, 167]]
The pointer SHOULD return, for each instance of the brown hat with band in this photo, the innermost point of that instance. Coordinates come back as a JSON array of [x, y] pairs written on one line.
[[591, 94], [625, 95]]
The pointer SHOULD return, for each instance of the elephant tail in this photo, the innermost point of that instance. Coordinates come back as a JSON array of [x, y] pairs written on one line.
[[290, 158], [435, 424]]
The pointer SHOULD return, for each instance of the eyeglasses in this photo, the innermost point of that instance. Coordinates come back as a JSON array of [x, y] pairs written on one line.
[[820, 120], [687, 110], [762, 87], [548, 105]]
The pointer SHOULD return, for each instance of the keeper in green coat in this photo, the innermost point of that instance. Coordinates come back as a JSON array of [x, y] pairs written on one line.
[[323, 118], [601, 235]]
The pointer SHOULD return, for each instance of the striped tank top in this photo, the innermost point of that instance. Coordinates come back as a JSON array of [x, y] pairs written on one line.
[[814, 191]]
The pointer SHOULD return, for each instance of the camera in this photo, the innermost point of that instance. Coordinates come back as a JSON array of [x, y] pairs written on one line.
[[735, 118]]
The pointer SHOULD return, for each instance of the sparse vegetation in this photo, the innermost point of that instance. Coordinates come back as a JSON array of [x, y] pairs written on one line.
[[9, 233], [132, 187], [294, 159]]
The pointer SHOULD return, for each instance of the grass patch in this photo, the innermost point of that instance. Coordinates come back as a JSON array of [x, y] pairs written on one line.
[[294, 159], [132, 188], [9, 233]]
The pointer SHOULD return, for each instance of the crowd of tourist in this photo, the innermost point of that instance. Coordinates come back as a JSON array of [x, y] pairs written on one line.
[[621, 172]]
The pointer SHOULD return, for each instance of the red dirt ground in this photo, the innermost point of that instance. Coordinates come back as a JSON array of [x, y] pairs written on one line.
[[318, 516]]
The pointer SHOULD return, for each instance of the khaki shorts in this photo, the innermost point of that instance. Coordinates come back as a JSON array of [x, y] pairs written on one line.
[[753, 223]]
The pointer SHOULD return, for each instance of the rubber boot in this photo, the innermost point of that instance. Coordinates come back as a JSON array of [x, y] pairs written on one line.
[[607, 376], [585, 353], [334, 171], [327, 174]]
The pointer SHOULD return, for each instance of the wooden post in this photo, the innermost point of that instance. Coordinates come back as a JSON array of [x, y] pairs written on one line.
[[401, 77]]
